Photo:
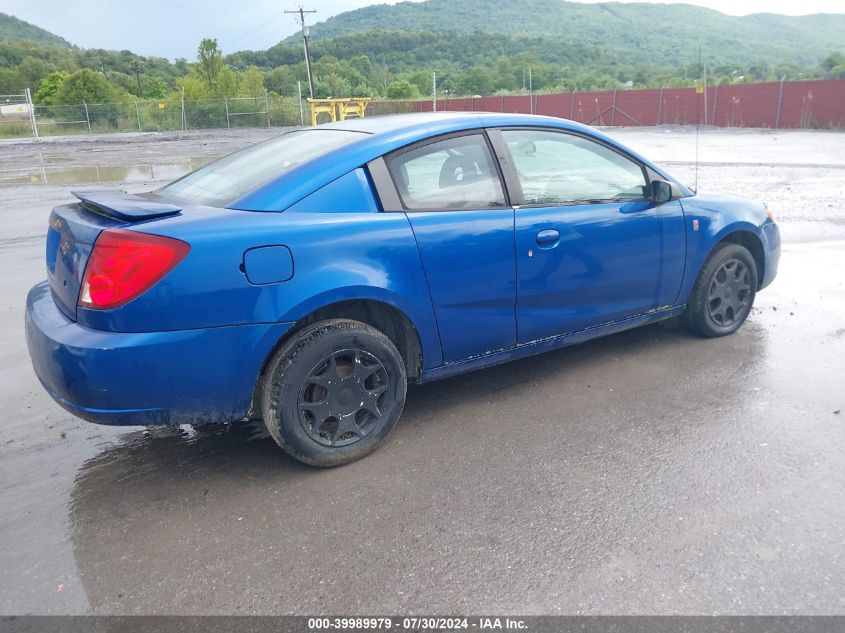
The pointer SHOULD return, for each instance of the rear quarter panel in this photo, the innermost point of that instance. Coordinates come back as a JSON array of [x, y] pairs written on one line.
[[343, 248]]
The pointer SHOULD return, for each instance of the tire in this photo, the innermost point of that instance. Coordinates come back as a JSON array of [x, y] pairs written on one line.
[[724, 292], [333, 392]]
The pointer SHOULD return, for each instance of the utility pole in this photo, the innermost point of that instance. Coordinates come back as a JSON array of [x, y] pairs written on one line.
[[301, 12], [182, 100], [530, 90], [434, 92], [301, 111]]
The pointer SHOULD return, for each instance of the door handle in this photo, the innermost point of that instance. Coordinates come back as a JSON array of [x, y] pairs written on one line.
[[548, 238]]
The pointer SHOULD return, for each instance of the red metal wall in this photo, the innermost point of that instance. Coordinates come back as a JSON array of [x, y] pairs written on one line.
[[789, 104]]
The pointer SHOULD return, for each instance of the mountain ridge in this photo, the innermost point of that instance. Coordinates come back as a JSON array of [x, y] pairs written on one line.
[[13, 30], [670, 34]]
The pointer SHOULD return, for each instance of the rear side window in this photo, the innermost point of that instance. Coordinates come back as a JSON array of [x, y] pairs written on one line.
[[559, 168], [233, 176], [452, 174]]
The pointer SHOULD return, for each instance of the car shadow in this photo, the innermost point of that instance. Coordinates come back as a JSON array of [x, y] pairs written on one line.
[[539, 369], [245, 448]]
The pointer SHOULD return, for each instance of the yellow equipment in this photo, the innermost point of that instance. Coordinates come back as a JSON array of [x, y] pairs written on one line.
[[338, 109]]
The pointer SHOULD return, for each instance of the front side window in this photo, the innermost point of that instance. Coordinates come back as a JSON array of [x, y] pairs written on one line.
[[559, 168], [233, 176], [455, 173]]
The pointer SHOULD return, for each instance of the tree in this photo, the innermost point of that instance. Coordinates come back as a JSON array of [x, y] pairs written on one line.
[[86, 85], [381, 78], [834, 66], [49, 88], [402, 89], [32, 69], [193, 88], [281, 80], [363, 65], [421, 79], [832, 61], [211, 63], [252, 82], [11, 81], [121, 80], [476, 81], [155, 87], [228, 83], [332, 85], [136, 66], [506, 78]]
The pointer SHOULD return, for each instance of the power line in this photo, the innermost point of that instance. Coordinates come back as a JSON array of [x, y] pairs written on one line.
[[302, 13], [251, 34]]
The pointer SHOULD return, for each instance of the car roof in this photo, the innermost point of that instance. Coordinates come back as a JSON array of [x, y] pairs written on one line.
[[433, 122]]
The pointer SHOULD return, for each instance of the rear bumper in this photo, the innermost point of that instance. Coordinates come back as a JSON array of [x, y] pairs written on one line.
[[146, 378], [771, 245]]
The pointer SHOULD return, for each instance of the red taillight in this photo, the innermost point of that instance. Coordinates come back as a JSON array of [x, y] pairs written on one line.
[[125, 264]]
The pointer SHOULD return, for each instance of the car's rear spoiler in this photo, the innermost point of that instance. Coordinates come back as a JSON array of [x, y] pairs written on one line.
[[129, 207]]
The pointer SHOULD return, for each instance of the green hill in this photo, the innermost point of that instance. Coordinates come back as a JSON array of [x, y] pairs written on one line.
[[15, 31], [474, 46], [652, 34]]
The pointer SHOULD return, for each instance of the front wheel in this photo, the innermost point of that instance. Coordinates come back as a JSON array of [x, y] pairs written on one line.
[[334, 392], [723, 293]]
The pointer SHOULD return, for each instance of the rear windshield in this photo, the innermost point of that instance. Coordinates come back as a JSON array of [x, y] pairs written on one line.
[[224, 181]]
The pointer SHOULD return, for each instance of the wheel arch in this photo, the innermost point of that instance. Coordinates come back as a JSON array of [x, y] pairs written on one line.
[[751, 241], [386, 318]]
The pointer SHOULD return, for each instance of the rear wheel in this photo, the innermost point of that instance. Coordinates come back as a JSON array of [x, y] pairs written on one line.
[[723, 293], [334, 392]]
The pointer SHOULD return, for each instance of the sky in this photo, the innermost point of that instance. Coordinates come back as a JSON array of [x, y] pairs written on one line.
[[174, 28]]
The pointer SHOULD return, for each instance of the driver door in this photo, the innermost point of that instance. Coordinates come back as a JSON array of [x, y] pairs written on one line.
[[590, 248]]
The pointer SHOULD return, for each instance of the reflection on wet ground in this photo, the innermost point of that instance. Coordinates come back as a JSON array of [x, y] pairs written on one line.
[[68, 175], [120, 158]]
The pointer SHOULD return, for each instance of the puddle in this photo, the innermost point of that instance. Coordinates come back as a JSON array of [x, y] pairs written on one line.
[[45, 174]]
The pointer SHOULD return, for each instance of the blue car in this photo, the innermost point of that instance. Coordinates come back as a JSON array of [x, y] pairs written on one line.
[[305, 280]]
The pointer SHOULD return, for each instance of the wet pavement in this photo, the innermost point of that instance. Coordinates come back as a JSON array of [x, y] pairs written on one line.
[[647, 472], [118, 158]]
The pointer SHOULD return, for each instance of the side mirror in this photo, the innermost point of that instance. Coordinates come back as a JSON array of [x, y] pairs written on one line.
[[660, 191]]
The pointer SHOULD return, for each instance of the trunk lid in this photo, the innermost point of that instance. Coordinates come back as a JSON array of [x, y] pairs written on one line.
[[74, 228]]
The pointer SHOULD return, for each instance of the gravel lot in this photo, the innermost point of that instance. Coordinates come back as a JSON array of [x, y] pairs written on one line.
[[647, 472]]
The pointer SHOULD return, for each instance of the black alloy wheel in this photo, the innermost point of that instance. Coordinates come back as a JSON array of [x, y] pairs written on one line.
[[333, 392], [342, 399]]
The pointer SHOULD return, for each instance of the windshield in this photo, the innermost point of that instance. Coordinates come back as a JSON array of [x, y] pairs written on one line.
[[225, 180]]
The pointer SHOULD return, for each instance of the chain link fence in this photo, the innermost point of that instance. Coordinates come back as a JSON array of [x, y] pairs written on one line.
[[19, 119], [16, 115], [159, 115]]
